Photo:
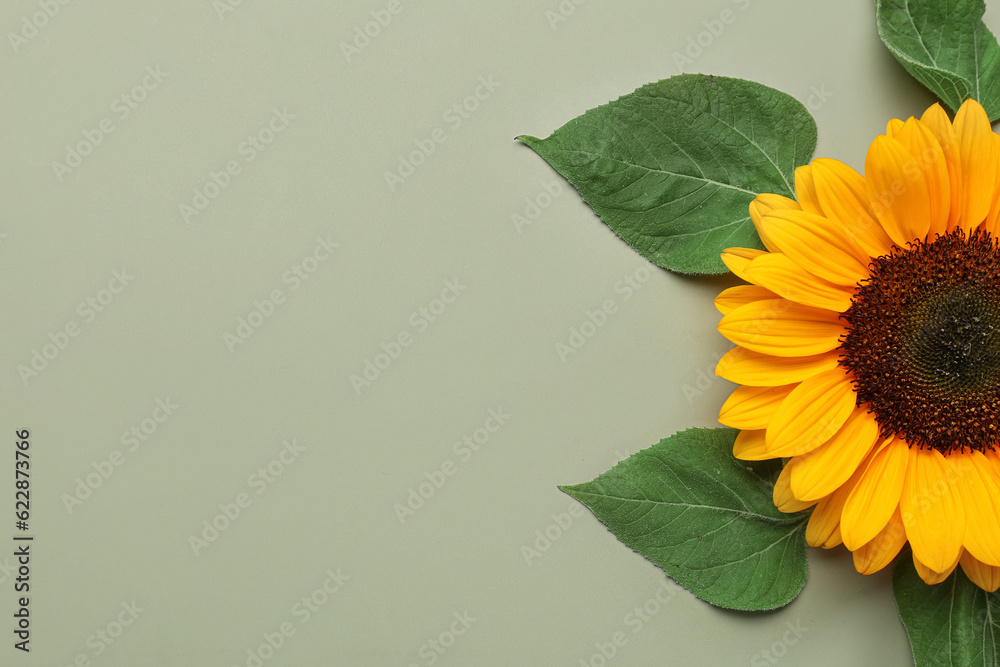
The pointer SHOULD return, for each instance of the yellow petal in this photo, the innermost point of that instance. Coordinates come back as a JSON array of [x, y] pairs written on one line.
[[824, 524], [893, 126], [992, 222], [979, 151], [833, 540], [823, 470], [844, 197], [805, 190], [932, 511], [781, 275], [783, 328], [817, 244], [930, 575], [765, 203], [937, 121], [737, 259], [823, 529], [751, 408], [744, 366], [784, 500], [876, 496], [750, 446], [897, 191], [881, 549], [811, 414], [921, 143], [980, 496], [734, 297], [993, 457], [985, 576]]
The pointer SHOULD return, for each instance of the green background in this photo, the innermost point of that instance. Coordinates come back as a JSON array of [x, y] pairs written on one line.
[[643, 375]]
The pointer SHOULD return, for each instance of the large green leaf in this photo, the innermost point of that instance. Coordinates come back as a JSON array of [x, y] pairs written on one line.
[[946, 47], [954, 623], [672, 167], [706, 518]]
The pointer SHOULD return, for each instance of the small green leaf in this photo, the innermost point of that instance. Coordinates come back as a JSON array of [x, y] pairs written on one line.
[[946, 47], [706, 518], [672, 167], [953, 623]]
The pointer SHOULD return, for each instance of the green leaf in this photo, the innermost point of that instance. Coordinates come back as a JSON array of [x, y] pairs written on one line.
[[953, 623], [706, 518], [946, 47], [672, 167]]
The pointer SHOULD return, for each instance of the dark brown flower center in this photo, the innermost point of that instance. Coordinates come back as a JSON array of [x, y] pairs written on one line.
[[923, 342]]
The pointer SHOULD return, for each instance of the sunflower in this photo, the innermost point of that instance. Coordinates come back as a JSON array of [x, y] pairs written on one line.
[[868, 347]]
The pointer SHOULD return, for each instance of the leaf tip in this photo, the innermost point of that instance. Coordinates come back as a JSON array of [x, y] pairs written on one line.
[[570, 489], [528, 140]]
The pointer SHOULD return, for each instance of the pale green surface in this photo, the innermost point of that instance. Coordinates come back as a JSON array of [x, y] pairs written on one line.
[[629, 386]]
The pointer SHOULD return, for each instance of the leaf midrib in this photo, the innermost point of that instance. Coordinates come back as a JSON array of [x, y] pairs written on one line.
[[791, 520], [656, 171]]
